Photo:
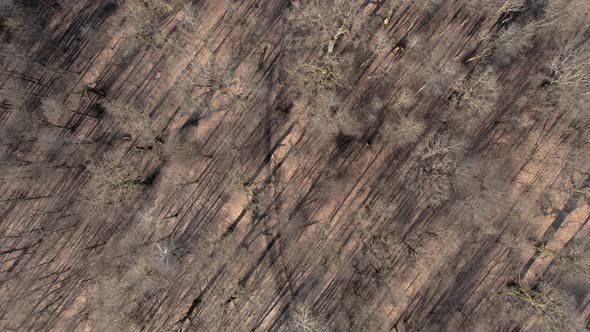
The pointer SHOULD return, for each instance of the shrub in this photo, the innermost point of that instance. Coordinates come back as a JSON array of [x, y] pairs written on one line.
[[184, 150], [97, 111]]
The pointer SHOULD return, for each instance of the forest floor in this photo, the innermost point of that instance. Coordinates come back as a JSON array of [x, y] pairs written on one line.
[[276, 165]]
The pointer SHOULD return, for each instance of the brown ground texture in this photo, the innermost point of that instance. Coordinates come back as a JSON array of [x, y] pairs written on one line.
[[284, 165]]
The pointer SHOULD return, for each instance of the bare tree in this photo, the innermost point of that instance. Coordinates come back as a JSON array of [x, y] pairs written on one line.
[[569, 80], [218, 82], [433, 175], [330, 116], [167, 252], [322, 22], [571, 255], [215, 77], [327, 73], [304, 320], [570, 68], [148, 16], [545, 303], [150, 222], [113, 180], [563, 19], [395, 5], [133, 273], [191, 18], [440, 147], [505, 46], [381, 42], [407, 130], [474, 96], [437, 80]]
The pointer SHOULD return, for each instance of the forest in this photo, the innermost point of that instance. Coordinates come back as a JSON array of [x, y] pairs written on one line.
[[294, 165]]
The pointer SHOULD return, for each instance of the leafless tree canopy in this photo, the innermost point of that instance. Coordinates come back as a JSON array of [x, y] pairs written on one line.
[[301, 165]]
